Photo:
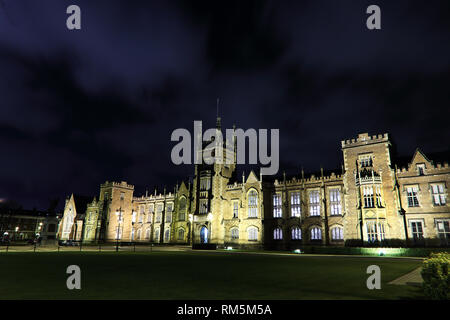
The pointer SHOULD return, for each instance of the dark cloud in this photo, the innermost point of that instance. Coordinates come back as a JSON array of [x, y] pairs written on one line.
[[81, 107]]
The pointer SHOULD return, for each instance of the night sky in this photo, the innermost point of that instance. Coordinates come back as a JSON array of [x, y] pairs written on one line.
[[81, 107]]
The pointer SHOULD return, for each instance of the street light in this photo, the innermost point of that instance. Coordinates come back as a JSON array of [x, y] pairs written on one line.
[[119, 218]]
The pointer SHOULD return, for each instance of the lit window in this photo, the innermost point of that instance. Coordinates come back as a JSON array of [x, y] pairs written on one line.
[[253, 204], [159, 209], [277, 234], [252, 234], [368, 197], [437, 191], [205, 183], [277, 205], [182, 209], [443, 228], [314, 204], [296, 233], [337, 233], [235, 209], [335, 202], [412, 196], [375, 231], [295, 204], [316, 233]]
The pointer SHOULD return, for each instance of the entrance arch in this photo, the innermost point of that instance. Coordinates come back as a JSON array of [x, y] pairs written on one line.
[[204, 235]]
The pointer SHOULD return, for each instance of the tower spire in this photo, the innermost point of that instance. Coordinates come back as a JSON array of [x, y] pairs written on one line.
[[218, 122]]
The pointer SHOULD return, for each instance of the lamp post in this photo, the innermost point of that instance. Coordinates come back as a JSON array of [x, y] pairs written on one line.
[[191, 229], [119, 219]]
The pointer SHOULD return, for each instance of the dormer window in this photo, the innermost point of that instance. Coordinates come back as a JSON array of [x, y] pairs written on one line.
[[421, 169]]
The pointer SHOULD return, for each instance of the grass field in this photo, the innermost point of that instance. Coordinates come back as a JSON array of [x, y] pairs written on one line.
[[199, 275]]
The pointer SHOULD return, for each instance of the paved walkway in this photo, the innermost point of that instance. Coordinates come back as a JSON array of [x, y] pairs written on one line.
[[413, 278]]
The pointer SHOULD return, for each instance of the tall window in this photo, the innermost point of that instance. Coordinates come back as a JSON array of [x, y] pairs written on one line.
[[295, 204], [375, 231], [138, 236], [133, 216], [417, 230], [252, 234], [337, 233], [437, 191], [316, 233], [122, 196], [235, 209], [335, 202], [412, 196], [443, 228], [181, 234], [277, 205], [252, 204], [314, 204], [141, 216], [147, 234], [368, 197], [205, 183], [156, 235], [151, 208], [234, 233], [132, 234], [169, 210], [277, 234], [159, 209], [182, 209], [296, 233], [378, 196], [167, 235], [203, 206]]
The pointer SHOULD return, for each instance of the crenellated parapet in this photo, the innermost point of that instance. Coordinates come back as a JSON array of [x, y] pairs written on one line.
[[365, 139], [122, 184]]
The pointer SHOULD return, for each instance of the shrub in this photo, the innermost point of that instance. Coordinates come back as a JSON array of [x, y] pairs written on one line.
[[436, 280]]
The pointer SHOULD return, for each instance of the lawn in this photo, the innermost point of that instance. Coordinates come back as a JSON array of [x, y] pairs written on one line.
[[199, 275]]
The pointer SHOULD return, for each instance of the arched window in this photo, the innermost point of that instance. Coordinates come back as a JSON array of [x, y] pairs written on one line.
[[147, 234], [252, 234], [181, 234], [234, 233], [167, 235], [132, 234], [156, 239], [277, 234], [316, 233], [182, 209], [296, 233], [252, 204], [337, 233], [138, 237]]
